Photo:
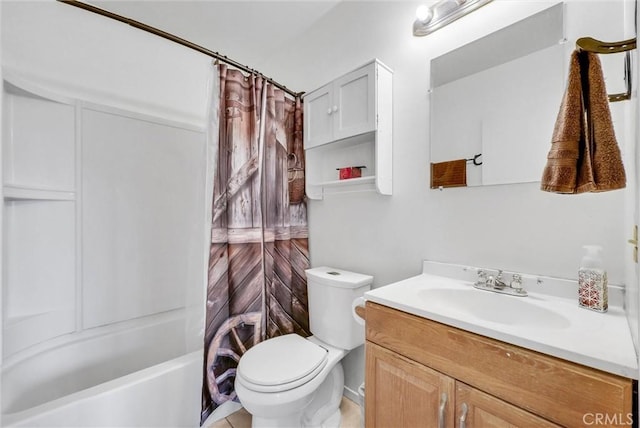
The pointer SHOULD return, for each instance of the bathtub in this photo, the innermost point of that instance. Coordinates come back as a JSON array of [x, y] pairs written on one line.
[[135, 374]]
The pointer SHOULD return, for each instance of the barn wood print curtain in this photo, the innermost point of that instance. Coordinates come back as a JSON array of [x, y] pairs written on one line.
[[259, 240]]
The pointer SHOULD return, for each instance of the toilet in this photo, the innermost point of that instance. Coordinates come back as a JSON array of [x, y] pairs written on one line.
[[292, 381]]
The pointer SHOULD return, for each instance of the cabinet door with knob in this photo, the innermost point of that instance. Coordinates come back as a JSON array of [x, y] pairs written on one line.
[[318, 109], [353, 107], [405, 393], [341, 109]]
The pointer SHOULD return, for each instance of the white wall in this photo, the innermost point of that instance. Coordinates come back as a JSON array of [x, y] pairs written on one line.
[[513, 227]]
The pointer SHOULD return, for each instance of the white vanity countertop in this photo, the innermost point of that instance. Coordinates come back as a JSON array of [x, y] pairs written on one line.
[[555, 326]]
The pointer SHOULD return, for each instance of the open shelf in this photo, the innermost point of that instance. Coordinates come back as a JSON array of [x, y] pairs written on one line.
[[39, 145], [22, 331], [39, 208], [349, 182], [15, 193], [360, 184]]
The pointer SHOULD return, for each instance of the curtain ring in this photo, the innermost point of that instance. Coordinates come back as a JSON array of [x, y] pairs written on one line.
[[293, 176], [292, 156]]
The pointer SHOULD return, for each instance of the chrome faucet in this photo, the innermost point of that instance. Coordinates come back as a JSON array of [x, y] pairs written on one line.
[[496, 282], [498, 285]]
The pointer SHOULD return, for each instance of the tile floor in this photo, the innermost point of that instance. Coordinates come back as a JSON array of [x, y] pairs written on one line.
[[242, 419]]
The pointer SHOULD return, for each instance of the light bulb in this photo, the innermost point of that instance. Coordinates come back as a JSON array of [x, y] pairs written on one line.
[[424, 13]]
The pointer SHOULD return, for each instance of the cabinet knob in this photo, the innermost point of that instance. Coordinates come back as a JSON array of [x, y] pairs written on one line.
[[335, 109], [463, 415], [443, 406], [329, 110]]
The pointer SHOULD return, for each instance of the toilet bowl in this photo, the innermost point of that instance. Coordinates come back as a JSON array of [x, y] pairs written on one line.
[[292, 381]]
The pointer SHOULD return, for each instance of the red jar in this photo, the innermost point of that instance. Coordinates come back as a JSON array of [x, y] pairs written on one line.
[[350, 172]]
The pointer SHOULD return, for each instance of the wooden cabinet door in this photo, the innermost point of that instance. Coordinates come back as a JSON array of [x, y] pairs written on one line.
[[318, 117], [354, 103], [402, 393], [476, 409]]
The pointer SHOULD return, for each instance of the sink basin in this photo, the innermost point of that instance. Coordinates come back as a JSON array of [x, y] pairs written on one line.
[[494, 307]]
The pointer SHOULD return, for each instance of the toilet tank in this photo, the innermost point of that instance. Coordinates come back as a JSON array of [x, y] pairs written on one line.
[[331, 292]]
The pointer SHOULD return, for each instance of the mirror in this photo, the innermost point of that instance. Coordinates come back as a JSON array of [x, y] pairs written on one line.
[[499, 97]]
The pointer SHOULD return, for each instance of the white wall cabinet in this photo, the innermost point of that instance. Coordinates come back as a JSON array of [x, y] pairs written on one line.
[[348, 122], [342, 108]]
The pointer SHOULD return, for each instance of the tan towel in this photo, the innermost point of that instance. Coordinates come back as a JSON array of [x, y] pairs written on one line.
[[584, 154], [449, 174]]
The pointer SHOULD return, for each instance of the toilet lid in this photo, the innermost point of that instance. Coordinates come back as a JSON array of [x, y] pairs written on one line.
[[281, 363]]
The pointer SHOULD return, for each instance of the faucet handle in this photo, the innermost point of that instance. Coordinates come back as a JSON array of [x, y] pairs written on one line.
[[516, 282], [482, 277]]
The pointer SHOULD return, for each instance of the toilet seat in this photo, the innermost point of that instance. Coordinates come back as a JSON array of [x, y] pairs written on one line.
[[281, 363]]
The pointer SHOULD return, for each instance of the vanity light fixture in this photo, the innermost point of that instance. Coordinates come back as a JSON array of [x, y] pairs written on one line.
[[441, 13]]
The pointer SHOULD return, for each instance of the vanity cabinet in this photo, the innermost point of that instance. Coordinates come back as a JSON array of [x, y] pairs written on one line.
[[423, 373], [347, 122], [415, 395]]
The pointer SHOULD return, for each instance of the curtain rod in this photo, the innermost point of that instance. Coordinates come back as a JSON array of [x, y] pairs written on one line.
[[174, 39]]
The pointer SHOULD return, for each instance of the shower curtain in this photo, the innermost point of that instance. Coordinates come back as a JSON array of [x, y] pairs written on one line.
[[259, 238]]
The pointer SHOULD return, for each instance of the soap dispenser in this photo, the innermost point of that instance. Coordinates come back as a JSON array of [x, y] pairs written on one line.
[[592, 280]]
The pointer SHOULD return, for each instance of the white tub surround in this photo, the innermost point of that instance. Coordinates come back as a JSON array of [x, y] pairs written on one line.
[[549, 320], [103, 262], [103, 214]]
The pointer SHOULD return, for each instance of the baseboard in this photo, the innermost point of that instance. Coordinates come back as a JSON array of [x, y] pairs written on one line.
[[351, 395]]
